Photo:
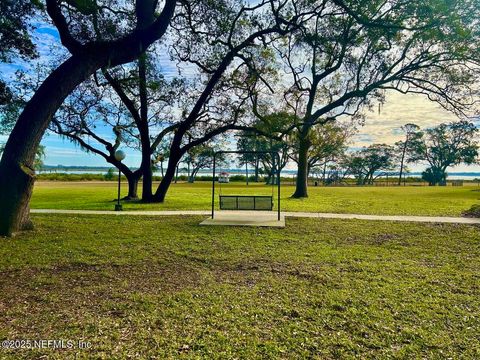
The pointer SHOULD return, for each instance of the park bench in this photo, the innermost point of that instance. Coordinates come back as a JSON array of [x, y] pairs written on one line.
[[246, 202]]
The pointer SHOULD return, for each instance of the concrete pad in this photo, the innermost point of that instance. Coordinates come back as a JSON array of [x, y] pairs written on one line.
[[246, 218]]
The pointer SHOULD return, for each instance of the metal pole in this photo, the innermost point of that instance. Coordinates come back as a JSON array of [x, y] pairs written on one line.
[[119, 179], [213, 187], [118, 206], [278, 195]]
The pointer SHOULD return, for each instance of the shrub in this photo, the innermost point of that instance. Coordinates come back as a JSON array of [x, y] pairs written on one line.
[[71, 177], [110, 175]]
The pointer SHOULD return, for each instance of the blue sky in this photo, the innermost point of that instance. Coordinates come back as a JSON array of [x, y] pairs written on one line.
[[380, 127]]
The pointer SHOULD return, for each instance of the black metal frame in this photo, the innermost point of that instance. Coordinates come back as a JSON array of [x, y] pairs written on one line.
[[276, 161]]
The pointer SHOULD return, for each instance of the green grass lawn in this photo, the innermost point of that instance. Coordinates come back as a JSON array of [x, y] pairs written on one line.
[[409, 200], [165, 287]]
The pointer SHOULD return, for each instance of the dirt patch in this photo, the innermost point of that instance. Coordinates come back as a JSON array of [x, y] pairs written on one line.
[[63, 293], [249, 273], [473, 212], [381, 239]]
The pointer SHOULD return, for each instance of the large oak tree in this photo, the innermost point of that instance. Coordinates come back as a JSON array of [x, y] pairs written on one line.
[[97, 35], [221, 42], [346, 57], [116, 102]]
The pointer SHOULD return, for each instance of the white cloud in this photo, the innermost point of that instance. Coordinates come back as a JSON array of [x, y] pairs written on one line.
[[384, 126]]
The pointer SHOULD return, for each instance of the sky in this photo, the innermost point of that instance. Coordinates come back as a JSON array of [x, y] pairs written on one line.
[[382, 126]]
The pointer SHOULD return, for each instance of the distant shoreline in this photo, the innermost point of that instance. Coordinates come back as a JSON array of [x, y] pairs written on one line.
[[48, 169]]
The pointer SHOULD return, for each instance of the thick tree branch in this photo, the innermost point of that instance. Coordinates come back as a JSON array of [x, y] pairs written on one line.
[[60, 23]]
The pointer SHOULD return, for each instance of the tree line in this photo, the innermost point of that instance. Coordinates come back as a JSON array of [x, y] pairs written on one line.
[[331, 159], [278, 69], [439, 147]]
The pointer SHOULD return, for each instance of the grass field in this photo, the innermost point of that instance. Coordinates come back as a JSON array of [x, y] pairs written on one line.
[[168, 288], [409, 200]]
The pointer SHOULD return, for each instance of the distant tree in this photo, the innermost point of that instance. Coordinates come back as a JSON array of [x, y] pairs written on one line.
[[405, 146], [251, 140], [368, 163], [337, 171], [201, 157], [110, 174], [434, 176], [269, 162], [327, 142], [446, 145]]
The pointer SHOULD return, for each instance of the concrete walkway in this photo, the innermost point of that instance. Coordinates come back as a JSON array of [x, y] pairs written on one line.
[[428, 219]]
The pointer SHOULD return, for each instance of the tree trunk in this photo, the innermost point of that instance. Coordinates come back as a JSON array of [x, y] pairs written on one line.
[[147, 177], [401, 162], [370, 178], [324, 175], [191, 177], [172, 168], [144, 132], [132, 187], [17, 175], [302, 171], [268, 179]]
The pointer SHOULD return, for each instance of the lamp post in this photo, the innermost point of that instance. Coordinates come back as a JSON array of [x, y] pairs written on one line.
[[119, 156]]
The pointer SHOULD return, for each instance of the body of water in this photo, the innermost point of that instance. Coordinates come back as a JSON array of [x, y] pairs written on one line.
[[284, 173]]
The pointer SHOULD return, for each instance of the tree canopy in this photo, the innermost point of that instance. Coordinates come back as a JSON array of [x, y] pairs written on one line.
[[344, 59], [15, 41]]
